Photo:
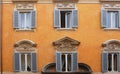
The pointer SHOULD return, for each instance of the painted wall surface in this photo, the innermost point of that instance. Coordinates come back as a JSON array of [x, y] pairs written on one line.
[[89, 33]]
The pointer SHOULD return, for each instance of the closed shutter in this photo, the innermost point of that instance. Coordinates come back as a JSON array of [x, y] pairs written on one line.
[[17, 62], [57, 18], [104, 18], [75, 18], [34, 62], [58, 62], [16, 19], [104, 62], [119, 62], [119, 19], [74, 62], [33, 20]]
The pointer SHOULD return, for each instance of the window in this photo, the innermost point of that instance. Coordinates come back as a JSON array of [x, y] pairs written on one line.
[[24, 20], [66, 62], [110, 19], [66, 19], [25, 62], [25, 56]]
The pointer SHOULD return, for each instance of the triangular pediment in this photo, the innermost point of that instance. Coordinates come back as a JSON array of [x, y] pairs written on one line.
[[66, 39]]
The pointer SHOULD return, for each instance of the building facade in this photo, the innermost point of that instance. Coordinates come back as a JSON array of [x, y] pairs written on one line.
[[60, 36]]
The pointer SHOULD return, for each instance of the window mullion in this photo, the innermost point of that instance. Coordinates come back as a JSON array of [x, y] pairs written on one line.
[[112, 62], [66, 62], [25, 62]]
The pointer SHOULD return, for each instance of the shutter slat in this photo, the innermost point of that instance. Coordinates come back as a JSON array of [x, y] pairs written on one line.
[[34, 62], [104, 62], [33, 20], [104, 18], [118, 62], [16, 62], [75, 18], [16, 19], [58, 62], [74, 62], [57, 18]]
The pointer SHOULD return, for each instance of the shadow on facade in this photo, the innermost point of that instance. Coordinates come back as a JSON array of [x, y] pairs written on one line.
[[82, 69]]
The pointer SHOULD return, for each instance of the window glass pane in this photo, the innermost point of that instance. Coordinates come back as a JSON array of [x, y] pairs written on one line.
[[23, 62], [109, 62], [62, 19], [63, 62], [25, 20], [69, 62], [113, 19], [115, 62], [29, 62]]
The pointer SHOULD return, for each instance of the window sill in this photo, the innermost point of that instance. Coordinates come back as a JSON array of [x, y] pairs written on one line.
[[66, 29], [23, 30], [111, 29]]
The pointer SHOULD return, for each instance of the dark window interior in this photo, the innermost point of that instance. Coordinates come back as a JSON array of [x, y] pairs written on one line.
[[63, 16]]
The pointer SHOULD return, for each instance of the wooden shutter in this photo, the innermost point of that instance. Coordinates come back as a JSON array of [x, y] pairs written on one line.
[[34, 62], [104, 62], [119, 19], [74, 62], [104, 18], [57, 18], [33, 20], [17, 62], [16, 19], [75, 18], [58, 62], [118, 62]]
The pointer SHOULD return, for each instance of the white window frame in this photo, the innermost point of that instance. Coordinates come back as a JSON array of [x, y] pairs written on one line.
[[23, 26], [20, 64], [66, 19]]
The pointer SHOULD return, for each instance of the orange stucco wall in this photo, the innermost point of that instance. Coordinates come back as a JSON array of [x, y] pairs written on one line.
[[89, 33]]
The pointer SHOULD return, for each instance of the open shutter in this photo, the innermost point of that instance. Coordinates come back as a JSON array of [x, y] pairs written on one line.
[[17, 62], [34, 62], [16, 19], [119, 19], [118, 62], [58, 62], [75, 18], [104, 62], [104, 18], [74, 62], [33, 20], [57, 18]]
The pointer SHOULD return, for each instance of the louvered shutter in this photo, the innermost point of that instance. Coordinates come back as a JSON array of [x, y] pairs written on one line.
[[17, 62], [34, 62], [58, 62], [57, 18], [75, 18], [104, 18], [104, 62], [119, 19], [16, 19], [118, 62], [74, 62], [33, 20]]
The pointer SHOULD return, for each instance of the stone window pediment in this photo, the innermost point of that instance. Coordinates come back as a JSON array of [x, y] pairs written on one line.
[[66, 44], [63, 1], [111, 45], [25, 46]]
